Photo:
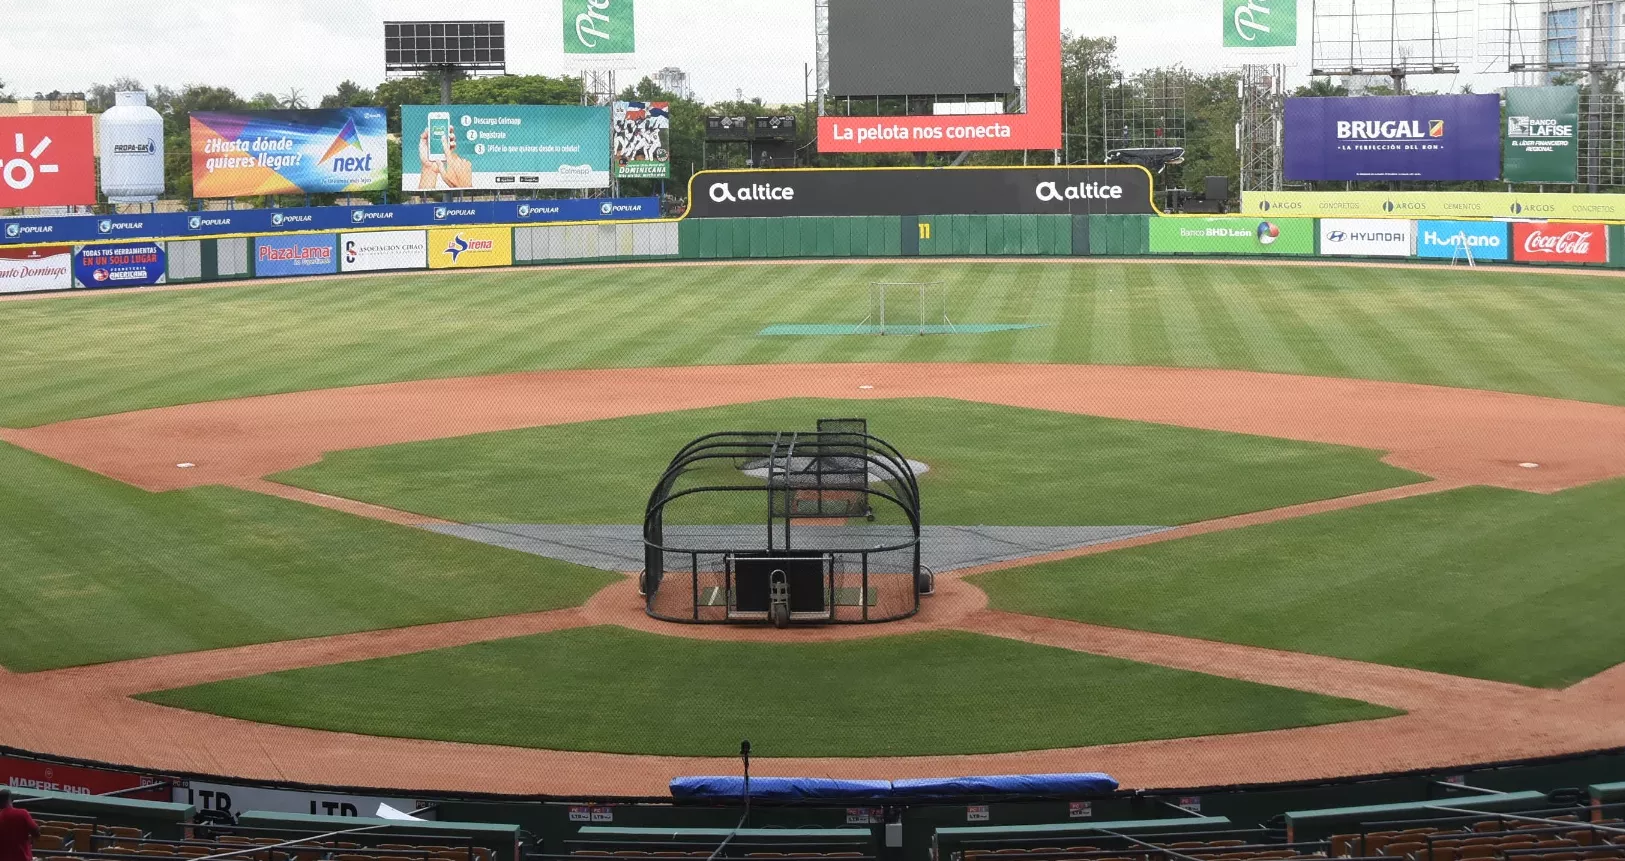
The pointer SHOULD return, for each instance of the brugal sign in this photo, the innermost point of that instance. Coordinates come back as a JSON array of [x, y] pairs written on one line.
[[906, 191]]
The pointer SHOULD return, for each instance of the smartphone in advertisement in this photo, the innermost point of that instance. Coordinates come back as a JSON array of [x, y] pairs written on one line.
[[439, 127]]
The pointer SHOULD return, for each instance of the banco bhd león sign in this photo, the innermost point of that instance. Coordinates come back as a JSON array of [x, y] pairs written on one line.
[[921, 191]]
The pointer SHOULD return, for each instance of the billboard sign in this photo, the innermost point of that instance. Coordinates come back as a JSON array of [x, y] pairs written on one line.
[[1542, 135], [1260, 23], [641, 148], [383, 250], [1433, 204], [25, 774], [1394, 137], [470, 248], [1559, 243], [234, 799], [1366, 237], [921, 191], [1038, 128], [130, 265], [1231, 236], [47, 161], [599, 27], [297, 254], [504, 147], [248, 153], [1447, 240], [28, 270]]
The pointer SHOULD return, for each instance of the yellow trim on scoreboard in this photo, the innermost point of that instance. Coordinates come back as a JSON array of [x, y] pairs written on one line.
[[1432, 204]]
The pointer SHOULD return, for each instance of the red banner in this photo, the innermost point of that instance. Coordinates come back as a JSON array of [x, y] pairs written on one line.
[[1038, 128], [25, 774], [47, 161], [1560, 243]]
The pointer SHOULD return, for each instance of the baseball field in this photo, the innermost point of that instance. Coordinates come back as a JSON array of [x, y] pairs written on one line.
[[1346, 519]]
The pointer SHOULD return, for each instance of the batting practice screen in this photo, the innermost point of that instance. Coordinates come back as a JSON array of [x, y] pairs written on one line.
[[921, 47]]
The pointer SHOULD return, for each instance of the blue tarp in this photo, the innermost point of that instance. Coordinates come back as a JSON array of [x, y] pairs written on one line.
[[820, 788]]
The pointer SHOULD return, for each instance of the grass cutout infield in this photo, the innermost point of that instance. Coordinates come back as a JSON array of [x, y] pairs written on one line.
[[92, 570], [1480, 582], [617, 691], [989, 465]]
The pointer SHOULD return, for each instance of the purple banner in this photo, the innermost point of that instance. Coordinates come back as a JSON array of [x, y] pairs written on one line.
[[1394, 137]]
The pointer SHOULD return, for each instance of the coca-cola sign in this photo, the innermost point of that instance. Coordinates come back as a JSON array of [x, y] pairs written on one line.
[[1560, 243]]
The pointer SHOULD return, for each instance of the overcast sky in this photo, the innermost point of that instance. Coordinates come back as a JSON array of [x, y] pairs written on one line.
[[756, 46]]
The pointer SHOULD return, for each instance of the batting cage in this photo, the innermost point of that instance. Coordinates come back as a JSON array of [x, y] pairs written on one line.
[[785, 528]]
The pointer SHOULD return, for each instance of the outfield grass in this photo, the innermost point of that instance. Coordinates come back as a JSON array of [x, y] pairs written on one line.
[[989, 465], [1511, 330], [93, 570], [1479, 582], [935, 693]]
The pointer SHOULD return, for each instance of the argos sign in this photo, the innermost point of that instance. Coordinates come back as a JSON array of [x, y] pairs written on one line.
[[1560, 243], [47, 161]]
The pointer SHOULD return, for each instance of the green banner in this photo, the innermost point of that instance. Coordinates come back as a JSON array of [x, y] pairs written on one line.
[[1542, 142], [1232, 236], [599, 27], [1260, 23]]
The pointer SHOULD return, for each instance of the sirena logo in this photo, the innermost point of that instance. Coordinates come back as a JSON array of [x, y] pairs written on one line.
[[722, 192]]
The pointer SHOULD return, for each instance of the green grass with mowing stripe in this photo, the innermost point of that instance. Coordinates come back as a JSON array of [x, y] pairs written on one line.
[[1481, 582], [1504, 329], [619, 691], [92, 570], [989, 465]]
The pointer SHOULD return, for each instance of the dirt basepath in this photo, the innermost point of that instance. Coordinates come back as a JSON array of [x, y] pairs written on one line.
[[1456, 437]]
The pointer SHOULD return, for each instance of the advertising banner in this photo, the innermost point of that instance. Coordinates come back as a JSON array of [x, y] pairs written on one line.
[[25, 774], [250, 153], [382, 250], [233, 799], [1231, 236], [132, 265], [470, 248], [1393, 137], [1260, 23], [504, 147], [1366, 237], [47, 161], [1447, 240], [26, 270], [1433, 204], [920, 191], [240, 222], [641, 149], [1560, 243], [1038, 128], [599, 27], [1543, 134], [279, 256]]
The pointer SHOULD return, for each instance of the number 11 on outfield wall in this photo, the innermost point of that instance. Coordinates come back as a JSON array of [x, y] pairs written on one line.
[[925, 230]]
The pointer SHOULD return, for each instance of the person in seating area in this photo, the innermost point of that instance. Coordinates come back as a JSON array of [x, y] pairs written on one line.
[[17, 830]]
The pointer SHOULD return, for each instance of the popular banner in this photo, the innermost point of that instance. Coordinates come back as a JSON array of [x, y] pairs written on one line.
[[289, 152], [140, 265], [1433, 204], [47, 161], [640, 140], [278, 256], [1112, 190], [27, 270], [1393, 137], [1543, 134], [470, 248], [504, 147], [1449, 240], [1560, 243], [1231, 236]]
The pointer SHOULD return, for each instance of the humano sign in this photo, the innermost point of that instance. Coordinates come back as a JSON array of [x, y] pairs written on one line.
[[599, 27], [921, 191]]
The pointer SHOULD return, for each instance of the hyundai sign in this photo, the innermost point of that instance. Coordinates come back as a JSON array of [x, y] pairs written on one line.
[[921, 191], [1445, 138], [1366, 237]]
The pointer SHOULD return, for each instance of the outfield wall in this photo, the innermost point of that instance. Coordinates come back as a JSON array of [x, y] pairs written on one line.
[[138, 263]]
